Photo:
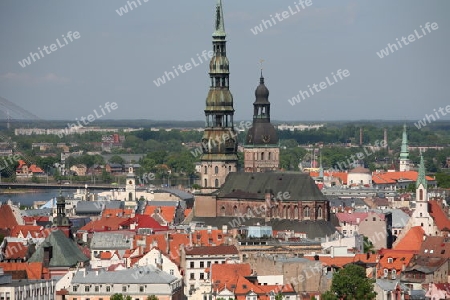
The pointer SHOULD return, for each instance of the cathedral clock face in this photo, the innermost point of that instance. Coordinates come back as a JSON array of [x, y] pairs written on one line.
[[266, 138]]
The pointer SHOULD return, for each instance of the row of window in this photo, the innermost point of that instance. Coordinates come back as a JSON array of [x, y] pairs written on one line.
[[87, 288], [286, 211]]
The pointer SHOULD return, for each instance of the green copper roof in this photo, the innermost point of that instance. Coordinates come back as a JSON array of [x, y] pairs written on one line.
[[404, 151], [220, 25], [421, 179]]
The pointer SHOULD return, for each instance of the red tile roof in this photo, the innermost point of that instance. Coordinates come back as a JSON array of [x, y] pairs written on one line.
[[144, 221], [166, 212], [341, 261], [393, 177], [117, 212], [104, 224], [15, 250], [34, 231], [393, 259], [412, 240], [440, 219], [435, 246], [7, 218], [34, 270], [341, 175]]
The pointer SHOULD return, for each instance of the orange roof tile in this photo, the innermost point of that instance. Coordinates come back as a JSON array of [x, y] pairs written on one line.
[[439, 216], [341, 175], [15, 250], [104, 224], [34, 270], [393, 259], [34, 231], [117, 212], [106, 255], [7, 218], [393, 177], [412, 240], [166, 212]]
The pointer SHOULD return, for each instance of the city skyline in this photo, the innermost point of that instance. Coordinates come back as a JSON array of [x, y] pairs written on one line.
[[102, 55]]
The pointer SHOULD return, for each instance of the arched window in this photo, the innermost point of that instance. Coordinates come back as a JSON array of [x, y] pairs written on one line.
[[222, 210], [262, 155], [249, 211], [306, 212], [285, 212], [269, 155], [296, 216], [420, 214], [130, 197], [319, 212], [205, 183], [216, 183], [229, 168], [216, 170], [206, 170], [420, 194], [235, 210]]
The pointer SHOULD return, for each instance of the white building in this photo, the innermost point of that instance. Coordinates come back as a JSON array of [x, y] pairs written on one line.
[[161, 261], [25, 289]]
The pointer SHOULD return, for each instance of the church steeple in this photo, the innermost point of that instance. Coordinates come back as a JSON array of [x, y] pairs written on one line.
[[220, 24], [219, 142], [61, 221], [261, 151], [404, 152], [421, 178]]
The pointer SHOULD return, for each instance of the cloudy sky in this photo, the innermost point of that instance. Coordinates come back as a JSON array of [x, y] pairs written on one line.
[[118, 58]]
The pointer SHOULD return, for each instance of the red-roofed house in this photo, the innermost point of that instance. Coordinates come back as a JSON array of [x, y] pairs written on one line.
[[34, 270], [194, 262], [412, 241], [392, 263], [438, 291], [27, 171], [398, 180], [158, 259], [10, 216], [141, 223]]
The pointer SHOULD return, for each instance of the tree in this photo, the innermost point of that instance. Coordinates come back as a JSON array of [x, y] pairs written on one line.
[[117, 159], [152, 297], [351, 283], [368, 246]]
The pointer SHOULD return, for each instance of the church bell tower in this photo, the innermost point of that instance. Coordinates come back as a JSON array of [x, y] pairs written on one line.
[[219, 141]]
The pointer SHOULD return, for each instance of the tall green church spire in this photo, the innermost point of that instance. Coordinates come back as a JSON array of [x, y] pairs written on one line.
[[421, 179]]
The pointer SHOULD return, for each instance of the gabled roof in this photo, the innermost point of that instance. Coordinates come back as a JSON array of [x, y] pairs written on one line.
[[342, 176], [34, 231], [16, 250], [435, 246], [7, 218], [440, 219], [34, 269], [412, 240], [341, 261], [65, 252]]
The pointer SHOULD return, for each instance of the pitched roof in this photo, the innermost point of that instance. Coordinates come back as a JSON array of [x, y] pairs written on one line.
[[300, 186], [65, 252], [34, 269], [394, 259], [341, 261], [435, 246], [440, 219], [341, 175], [34, 231], [412, 240], [394, 177], [7, 218], [16, 250], [104, 224], [166, 212], [213, 250], [144, 221], [117, 212]]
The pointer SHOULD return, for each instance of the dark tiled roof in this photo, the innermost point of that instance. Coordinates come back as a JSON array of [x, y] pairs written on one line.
[[300, 186]]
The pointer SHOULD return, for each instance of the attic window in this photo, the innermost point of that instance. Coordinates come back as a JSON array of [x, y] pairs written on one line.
[[431, 251], [425, 251], [442, 251], [390, 260], [244, 286]]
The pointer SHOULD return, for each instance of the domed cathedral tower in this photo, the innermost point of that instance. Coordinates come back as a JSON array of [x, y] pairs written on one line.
[[219, 142], [404, 152], [261, 148]]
